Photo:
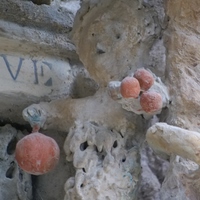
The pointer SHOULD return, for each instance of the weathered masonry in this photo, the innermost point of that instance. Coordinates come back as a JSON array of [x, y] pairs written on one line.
[[62, 67]]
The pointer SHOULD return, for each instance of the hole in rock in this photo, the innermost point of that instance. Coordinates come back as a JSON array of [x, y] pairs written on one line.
[[11, 146], [21, 127], [82, 185], [40, 2], [10, 171], [142, 116], [118, 36], [83, 146], [115, 144], [83, 170], [100, 51], [124, 159]]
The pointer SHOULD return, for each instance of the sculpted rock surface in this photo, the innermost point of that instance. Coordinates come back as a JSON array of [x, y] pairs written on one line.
[[111, 40], [110, 44], [11, 176], [105, 168]]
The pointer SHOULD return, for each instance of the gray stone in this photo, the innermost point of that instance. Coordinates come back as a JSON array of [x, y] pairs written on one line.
[[110, 46], [153, 173], [112, 39], [14, 183], [105, 169]]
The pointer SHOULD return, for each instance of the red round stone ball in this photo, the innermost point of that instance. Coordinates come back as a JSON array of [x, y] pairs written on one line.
[[151, 101], [145, 78], [37, 153], [130, 87]]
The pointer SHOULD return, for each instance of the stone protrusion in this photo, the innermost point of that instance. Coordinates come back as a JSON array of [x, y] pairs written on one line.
[[170, 140], [135, 99], [110, 45], [35, 115], [102, 163], [15, 184], [114, 90]]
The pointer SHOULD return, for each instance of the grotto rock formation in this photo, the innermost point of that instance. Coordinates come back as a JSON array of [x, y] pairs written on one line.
[[111, 39], [105, 167], [15, 183]]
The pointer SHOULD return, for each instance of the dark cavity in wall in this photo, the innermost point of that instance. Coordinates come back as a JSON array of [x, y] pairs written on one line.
[[40, 2], [83, 87], [21, 127]]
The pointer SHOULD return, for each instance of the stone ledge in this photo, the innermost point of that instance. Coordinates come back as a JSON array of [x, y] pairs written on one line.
[[34, 42], [48, 18]]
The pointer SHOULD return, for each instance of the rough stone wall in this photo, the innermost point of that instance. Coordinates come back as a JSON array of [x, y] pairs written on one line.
[[183, 63], [110, 49], [47, 55], [181, 40], [15, 184], [105, 167], [111, 45]]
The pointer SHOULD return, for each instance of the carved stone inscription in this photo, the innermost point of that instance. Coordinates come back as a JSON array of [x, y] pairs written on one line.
[[39, 77]]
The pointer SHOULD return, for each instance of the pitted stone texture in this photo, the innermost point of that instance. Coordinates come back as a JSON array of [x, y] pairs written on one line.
[[105, 169], [14, 183], [115, 37]]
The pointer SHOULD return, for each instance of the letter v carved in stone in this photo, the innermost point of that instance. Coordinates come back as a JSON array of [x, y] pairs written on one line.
[[14, 77]]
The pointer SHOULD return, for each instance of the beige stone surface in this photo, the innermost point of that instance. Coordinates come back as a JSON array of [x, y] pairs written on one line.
[[114, 37], [183, 62], [174, 141], [105, 168]]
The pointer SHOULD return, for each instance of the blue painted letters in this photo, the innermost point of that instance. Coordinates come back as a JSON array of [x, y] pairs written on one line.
[[15, 73]]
